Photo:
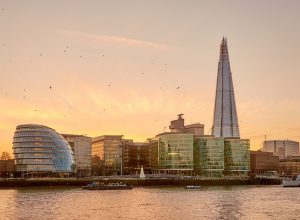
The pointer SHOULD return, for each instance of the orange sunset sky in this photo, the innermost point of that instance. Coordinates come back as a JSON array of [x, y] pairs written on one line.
[[114, 66]]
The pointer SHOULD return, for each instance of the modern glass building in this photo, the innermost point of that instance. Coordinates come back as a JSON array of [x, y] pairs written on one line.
[[41, 151], [82, 148], [237, 157], [135, 156], [209, 156], [174, 153], [107, 150], [225, 115]]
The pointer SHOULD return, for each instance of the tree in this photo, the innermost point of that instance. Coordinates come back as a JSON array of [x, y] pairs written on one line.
[[5, 156]]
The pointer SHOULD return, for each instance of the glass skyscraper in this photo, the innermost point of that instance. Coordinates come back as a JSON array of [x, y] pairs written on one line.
[[225, 122]]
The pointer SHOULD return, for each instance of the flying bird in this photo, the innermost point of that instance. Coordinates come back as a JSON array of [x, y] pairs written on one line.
[[50, 87], [178, 87]]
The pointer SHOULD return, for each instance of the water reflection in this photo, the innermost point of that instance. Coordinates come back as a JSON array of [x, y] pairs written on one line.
[[243, 202], [229, 204]]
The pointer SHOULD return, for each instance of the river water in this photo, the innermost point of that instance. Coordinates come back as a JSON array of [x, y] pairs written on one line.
[[228, 202]]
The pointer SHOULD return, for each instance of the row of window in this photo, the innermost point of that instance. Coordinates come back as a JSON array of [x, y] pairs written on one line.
[[34, 161], [34, 133], [33, 150], [33, 155], [35, 168], [26, 139]]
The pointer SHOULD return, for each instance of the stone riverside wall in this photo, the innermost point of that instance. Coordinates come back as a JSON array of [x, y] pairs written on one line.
[[136, 182]]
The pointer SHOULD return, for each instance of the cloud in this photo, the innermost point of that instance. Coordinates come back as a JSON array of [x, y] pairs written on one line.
[[114, 39]]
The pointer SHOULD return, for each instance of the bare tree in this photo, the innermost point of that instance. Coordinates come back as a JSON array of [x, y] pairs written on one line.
[[5, 156]]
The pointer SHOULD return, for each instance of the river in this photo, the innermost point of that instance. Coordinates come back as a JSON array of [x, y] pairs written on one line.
[[226, 202]]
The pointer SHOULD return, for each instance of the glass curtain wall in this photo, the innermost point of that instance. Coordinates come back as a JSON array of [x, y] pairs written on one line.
[[237, 157]]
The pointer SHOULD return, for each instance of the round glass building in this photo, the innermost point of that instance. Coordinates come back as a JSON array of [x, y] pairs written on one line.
[[41, 151]]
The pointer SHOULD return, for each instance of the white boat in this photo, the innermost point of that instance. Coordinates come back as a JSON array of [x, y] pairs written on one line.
[[192, 187], [292, 182]]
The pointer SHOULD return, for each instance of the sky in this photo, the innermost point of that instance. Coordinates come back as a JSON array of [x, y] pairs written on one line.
[[114, 67]]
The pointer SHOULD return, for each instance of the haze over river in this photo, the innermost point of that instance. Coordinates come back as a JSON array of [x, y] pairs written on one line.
[[226, 202]]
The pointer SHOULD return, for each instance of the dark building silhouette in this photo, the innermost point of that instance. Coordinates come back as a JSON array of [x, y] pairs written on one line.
[[7, 168], [135, 156]]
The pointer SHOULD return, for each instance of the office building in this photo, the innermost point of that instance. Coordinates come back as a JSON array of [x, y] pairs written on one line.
[[174, 153], [261, 162], [289, 166], [281, 148], [178, 126], [197, 129], [225, 122], [236, 157], [82, 149], [107, 150], [135, 156], [41, 151], [209, 156]]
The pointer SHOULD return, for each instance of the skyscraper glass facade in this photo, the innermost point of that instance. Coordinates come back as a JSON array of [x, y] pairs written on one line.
[[225, 115]]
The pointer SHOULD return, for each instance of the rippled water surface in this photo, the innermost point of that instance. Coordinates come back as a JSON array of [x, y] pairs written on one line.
[[236, 202]]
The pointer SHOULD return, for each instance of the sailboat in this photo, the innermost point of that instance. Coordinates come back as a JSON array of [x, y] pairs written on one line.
[[142, 174]]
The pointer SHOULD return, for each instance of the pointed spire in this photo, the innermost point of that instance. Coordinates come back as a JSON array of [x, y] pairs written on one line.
[[225, 115]]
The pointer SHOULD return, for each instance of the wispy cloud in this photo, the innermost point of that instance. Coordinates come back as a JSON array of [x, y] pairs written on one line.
[[114, 39]]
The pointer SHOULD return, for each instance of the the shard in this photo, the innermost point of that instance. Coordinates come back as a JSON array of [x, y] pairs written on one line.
[[225, 114]]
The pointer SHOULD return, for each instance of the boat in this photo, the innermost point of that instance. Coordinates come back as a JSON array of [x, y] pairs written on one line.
[[291, 182], [192, 187], [109, 186]]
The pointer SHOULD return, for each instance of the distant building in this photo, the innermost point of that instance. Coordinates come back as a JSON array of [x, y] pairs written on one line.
[[225, 122], [178, 126], [135, 156], [197, 129], [174, 153], [7, 168], [209, 156], [41, 151], [281, 148], [82, 149], [107, 151], [260, 162], [289, 166], [236, 157]]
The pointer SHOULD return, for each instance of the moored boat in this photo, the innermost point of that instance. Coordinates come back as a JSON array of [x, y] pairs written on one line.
[[192, 187], [291, 182], [109, 186]]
